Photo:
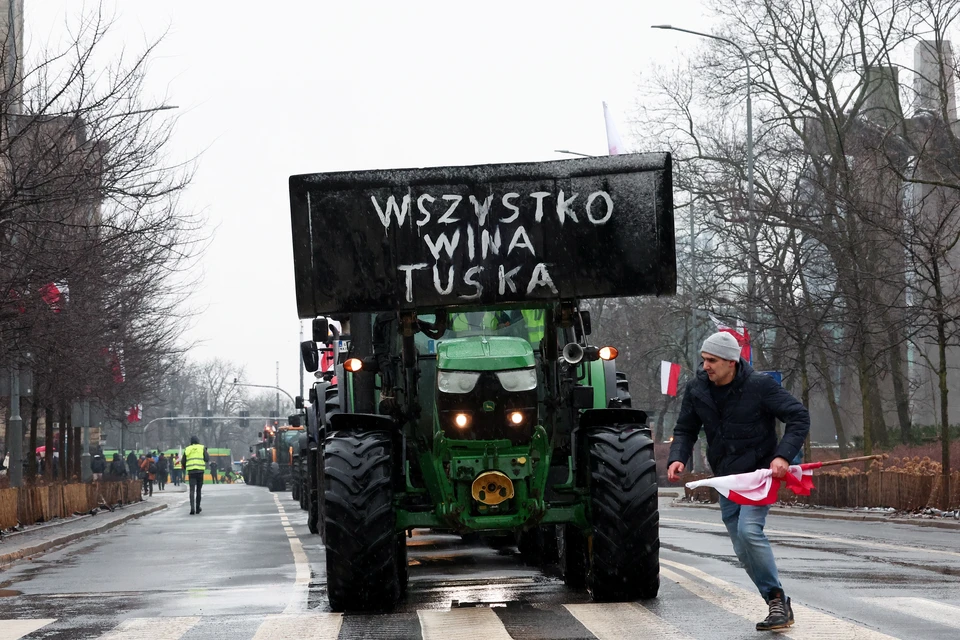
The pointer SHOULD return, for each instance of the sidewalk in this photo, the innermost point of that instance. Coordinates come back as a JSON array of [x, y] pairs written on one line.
[[822, 513], [37, 539]]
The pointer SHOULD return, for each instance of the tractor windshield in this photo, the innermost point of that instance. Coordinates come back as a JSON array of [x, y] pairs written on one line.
[[518, 323]]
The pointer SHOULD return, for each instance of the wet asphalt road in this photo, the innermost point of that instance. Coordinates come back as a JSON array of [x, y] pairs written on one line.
[[247, 567]]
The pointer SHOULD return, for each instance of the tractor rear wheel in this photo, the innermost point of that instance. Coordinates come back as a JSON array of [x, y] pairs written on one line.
[[359, 520], [624, 552]]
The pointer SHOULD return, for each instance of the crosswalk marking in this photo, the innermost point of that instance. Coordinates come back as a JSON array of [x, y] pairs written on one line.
[[462, 624], [939, 612], [14, 629], [150, 629], [313, 626], [616, 621], [812, 624]]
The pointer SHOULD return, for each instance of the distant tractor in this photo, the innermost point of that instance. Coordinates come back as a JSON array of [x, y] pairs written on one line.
[[466, 395]]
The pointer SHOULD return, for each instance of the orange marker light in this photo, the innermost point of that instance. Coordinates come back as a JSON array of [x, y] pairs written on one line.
[[608, 353], [353, 364]]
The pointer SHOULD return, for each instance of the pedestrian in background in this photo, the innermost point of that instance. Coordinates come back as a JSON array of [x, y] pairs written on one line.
[[177, 471], [737, 409], [148, 467], [213, 472], [133, 465], [195, 458], [117, 470], [161, 472]]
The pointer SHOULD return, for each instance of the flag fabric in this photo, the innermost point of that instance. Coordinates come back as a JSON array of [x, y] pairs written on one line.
[[135, 413], [55, 294], [669, 377], [614, 144], [742, 336], [760, 487]]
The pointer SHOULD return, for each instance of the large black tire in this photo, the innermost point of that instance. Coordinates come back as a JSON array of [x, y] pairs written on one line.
[[295, 491], [360, 522], [625, 551], [402, 573]]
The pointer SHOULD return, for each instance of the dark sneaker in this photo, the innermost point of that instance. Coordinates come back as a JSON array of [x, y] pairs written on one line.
[[199, 509], [780, 615], [192, 512]]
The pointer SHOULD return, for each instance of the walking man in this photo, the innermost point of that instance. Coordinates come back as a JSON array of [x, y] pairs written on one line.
[[194, 462], [161, 472], [737, 408], [213, 472]]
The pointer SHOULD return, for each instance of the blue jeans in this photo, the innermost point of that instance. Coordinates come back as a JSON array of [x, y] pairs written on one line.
[[745, 526]]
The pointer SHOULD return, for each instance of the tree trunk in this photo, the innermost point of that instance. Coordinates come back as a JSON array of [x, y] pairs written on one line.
[[48, 443], [77, 449], [32, 449], [879, 423], [832, 402], [944, 414], [62, 445], [863, 369], [901, 395]]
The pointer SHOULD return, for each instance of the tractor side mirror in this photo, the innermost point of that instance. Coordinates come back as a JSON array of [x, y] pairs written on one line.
[[298, 401], [310, 356], [582, 327], [251, 449], [321, 330], [260, 434]]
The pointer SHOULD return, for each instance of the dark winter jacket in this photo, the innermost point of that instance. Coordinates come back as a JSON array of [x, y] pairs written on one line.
[[744, 438]]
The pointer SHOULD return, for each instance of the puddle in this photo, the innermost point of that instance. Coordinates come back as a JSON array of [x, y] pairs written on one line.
[[7, 593]]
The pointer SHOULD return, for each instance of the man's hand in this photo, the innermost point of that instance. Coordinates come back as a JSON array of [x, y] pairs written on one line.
[[673, 473], [779, 467]]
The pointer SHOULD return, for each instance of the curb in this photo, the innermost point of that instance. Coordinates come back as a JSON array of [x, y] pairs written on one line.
[[13, 556], [827, 515]]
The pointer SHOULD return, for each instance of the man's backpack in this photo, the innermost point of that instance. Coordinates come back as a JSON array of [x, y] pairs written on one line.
[[153, 467]]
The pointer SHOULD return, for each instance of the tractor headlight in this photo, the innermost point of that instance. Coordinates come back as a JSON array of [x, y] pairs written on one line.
[[462, 420], [515, 418], [518, 379], [457, 381]]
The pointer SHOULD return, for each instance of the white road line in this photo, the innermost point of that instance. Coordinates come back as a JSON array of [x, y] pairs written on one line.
[[462, 624], [151, 629], [939, 612], [899, 548], [811, 624], [13, 629], [313, 626], [301, 582], [616, 621]]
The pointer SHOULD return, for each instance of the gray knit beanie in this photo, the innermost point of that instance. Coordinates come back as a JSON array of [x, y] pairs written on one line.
[[723, 345]]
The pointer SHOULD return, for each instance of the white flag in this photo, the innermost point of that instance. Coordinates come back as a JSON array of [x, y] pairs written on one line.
[[614, 144]]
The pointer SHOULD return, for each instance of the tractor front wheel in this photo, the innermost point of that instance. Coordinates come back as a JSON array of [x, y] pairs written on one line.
[[359, 521], [624, 560]]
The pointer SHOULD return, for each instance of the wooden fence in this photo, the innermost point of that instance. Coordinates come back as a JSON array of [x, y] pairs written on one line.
[[899, 490], [42, 503]]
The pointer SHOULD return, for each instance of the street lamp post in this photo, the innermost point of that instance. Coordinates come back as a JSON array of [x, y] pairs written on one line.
[[237, 383], [751, 271]]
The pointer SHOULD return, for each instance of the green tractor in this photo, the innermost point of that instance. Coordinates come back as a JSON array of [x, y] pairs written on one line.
[[466, 395]]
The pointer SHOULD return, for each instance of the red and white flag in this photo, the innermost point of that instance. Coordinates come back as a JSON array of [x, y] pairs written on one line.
[[742, 336], [669, 377], [614, 144], [55, 294], [135, 413], [760, 487]]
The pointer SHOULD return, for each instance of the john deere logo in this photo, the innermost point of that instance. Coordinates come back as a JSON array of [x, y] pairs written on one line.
[[489, 405]]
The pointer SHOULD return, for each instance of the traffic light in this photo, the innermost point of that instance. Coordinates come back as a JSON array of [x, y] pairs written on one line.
[[207, 422], [244, 419]]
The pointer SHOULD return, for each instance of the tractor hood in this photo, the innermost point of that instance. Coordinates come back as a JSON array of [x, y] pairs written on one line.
[[484, 353]]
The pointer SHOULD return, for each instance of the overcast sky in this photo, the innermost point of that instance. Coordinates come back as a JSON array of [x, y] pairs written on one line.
[[267, 90]]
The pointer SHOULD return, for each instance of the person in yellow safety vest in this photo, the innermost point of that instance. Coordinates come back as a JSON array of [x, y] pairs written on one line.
[[194, 462], [473, 321], [534, 319]]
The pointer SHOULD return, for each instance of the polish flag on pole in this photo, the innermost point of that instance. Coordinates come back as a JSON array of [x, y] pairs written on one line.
[[742, 336], [614, 144], [669, 377], [760, 487], [135, 413]]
